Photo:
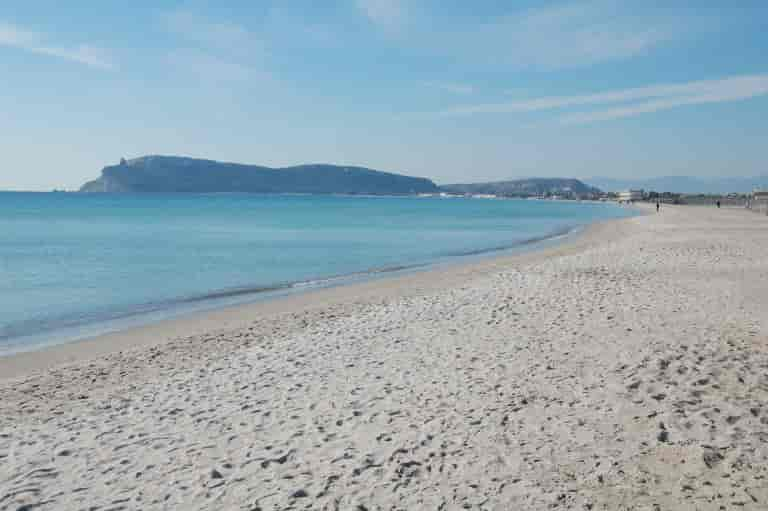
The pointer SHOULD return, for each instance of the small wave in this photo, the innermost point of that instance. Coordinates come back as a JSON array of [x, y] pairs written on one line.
[[326, 281], [230, 293], [560, 233], [153, 311]]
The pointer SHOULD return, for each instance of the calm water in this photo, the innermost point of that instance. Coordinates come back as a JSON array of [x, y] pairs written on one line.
[[77, 265]]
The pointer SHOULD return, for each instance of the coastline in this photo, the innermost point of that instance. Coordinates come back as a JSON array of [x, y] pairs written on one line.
[[222, 318], [148, 314], [82, 284], [623, 369]]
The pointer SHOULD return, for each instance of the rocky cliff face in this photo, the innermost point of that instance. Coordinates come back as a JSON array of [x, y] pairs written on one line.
[[172, 174], [104, 184]]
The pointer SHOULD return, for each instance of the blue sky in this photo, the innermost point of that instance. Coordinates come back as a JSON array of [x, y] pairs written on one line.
[[451, 90]]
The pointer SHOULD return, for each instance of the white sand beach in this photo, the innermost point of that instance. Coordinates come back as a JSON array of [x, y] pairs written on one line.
[[626, 369]]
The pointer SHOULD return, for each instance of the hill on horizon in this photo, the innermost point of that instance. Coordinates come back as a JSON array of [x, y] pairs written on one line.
[[529, 187], [682, 184], [176, 174]]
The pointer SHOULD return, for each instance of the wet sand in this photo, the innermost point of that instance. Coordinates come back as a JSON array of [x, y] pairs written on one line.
[[626, 369]]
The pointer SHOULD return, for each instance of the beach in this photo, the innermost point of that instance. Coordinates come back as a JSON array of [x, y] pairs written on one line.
[[626, 368]]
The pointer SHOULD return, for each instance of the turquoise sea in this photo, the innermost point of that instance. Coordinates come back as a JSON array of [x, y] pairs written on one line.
[[76, 265]]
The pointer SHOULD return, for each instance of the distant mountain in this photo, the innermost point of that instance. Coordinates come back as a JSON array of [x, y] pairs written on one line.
[[179, 174], [683, 184], [532, 187]]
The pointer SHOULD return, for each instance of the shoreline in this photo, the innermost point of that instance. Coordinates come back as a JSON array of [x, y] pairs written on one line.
[[222, 317], [152, 313]]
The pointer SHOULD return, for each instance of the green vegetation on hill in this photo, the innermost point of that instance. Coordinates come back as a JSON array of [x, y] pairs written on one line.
[[173, 174]]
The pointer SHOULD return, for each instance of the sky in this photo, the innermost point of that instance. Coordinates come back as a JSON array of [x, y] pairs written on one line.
[[452, 90]]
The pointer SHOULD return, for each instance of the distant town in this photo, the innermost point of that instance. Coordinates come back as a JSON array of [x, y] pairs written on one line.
[[757, 200]]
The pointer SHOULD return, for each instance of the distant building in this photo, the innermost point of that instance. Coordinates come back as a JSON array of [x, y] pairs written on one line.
[[758, 201], [631, 195]]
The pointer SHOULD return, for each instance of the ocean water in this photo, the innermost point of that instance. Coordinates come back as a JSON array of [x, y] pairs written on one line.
[[75, 265]]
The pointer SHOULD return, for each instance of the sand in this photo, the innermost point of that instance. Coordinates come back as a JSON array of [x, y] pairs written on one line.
[[626, 369]]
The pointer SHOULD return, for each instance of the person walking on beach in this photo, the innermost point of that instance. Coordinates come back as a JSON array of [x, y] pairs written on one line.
[[658, 206], [718, 204]]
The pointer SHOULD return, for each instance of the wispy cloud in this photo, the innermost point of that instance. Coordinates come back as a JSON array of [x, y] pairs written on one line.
[[638, 100], [16, 37], [577, 34], [210, 68], [454, 88], [220, 35], [718, 91], [213, 50], [288, 26], [389, 15], [561, 35]]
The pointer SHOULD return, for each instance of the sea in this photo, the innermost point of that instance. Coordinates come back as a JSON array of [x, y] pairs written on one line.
[[74, 266]]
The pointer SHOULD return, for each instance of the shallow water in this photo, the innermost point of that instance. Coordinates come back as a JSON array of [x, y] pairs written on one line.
[[73, 265]]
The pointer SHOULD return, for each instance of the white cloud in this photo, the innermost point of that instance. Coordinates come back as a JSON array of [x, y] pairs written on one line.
[[289, 27], [454, 88], [212, 50], [209, 67], [559, 36], [716, 91], [576, 34], [88, 55], [641, 99], [11, 35], [15, 37], [387, 14], [224, 36]]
